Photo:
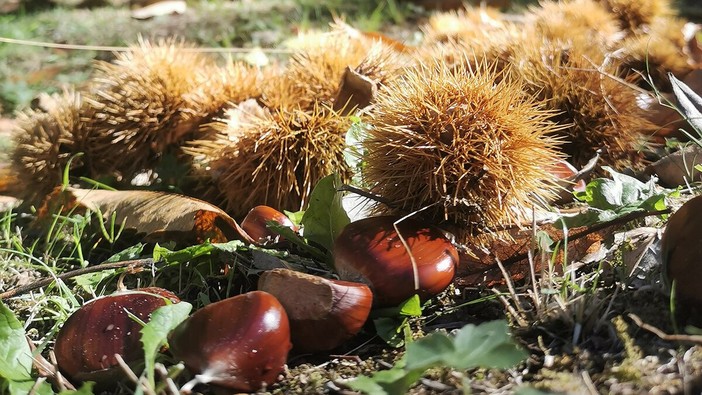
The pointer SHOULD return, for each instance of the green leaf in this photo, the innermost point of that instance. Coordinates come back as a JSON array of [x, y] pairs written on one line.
[[85, 389], [391, 330], [613, 198], [325, 217], [130, 253], [395, 381], [391, 323], [181, 256], [193, 252], [25, 387], [16, 360], [89, 281], [412, 307], [295, 217], [429, 351], [155, 332], [294, 238], [488, 345]]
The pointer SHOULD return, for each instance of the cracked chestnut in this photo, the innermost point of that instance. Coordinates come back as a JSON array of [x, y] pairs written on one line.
[[323, 313]]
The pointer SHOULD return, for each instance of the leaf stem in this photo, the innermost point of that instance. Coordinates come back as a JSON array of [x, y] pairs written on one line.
[[135, 263]]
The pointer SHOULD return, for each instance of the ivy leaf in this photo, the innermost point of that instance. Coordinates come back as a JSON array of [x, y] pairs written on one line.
[[16, 360], [395, 381], [486, 345], [325, 217], [155, 332], [429, 351], [616, 197]]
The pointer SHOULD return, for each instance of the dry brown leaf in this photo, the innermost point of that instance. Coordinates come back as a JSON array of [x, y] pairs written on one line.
[[678, 168], [159, 8], [478, 267], [158, 216]]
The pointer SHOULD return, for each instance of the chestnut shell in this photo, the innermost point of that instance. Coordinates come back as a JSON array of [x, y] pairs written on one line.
[[240, 342], [89, 339], [371, 251], [323, 313]]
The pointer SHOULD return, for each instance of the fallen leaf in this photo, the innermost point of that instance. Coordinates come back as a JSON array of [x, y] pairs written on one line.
[[158, 216], [160, 8], [678, 168], [478, 266]]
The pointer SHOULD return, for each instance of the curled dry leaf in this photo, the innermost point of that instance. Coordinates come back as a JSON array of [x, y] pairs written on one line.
[[158, 215], [678, 168]]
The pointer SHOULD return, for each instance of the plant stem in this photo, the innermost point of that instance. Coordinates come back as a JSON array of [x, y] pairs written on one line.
[[132, 264]]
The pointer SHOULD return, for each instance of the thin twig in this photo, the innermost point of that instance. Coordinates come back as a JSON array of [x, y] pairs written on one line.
[[108, 48], [74, 273], [675, 338]]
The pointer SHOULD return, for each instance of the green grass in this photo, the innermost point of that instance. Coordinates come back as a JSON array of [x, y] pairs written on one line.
[[26, 71]]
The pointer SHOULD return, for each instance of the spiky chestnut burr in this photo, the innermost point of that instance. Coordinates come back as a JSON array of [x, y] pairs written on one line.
[[460, 147], [313, 74], [472, 37], [634, 14], [494, 48], [136, 106], [271, 157], [462, 24], [45, 141], [596, 110], [217, 87], [581, 22], [646, 58]]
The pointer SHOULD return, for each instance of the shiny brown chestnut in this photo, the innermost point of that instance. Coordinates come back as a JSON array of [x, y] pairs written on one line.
[[681, 248], [371, 251], [89, 339], [239, 343], [254, 224], [323, 313]]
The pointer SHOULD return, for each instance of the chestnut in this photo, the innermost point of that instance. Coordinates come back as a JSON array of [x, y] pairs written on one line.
[[89, 339], [371, 251], [682, 253], [323, 313], [239, 343], [254, 224]]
